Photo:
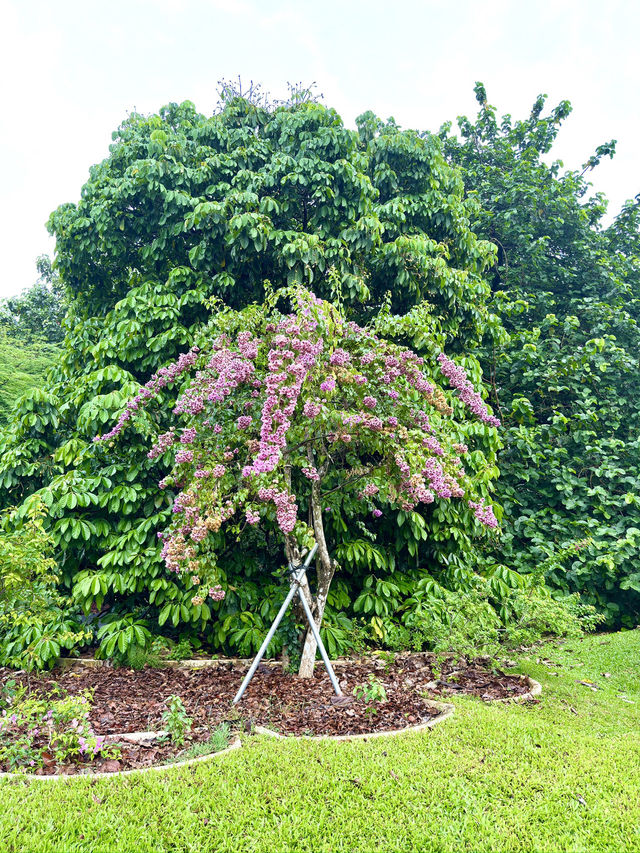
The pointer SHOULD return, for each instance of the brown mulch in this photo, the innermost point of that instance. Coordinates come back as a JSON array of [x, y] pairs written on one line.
[[125, 700]]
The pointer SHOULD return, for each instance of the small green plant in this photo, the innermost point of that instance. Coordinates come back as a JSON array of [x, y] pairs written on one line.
[[218, 741], [35, 731], [176, 720], [372, 691], [121, 635], [183, 650]]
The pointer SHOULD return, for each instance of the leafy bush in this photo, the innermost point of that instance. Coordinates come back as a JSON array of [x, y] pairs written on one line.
[[36, 621], [123, 637]]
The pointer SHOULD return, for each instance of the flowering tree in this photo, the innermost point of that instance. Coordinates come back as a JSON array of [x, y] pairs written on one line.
[[286, 409]]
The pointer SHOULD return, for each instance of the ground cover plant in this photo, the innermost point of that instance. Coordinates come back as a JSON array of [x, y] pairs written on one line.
[[562, 774], [37, 732]]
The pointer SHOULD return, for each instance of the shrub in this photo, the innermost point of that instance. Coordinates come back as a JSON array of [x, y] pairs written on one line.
[[35, 731], [36, 621]]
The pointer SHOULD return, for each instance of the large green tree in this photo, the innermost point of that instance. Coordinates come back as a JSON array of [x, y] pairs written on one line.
[[565, 377], [186, 208]]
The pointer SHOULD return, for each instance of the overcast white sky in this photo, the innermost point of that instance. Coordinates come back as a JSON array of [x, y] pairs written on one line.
[[72, 69]]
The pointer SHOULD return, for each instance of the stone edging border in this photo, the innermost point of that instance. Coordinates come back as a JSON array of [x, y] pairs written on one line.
[[535, 689], [235, 744], [194, 663], [445, 708]]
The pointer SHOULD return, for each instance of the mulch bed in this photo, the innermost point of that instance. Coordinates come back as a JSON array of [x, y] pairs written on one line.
[[125, 700]]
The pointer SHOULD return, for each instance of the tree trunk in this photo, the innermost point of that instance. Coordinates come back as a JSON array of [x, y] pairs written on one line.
[[325, 570]]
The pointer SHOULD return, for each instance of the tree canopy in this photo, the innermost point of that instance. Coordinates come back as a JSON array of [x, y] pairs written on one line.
[[565, 378], [38, 312]]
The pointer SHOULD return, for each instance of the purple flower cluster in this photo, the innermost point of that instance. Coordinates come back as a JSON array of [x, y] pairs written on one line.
[[248, 346], [162, 443], [457, 377], [433, 444], [290, 359], [484, 514], [165, 376], [286, 507], [443, 484], [311, 409], [339, 357], [311, 473], [225, 371], [329, 384], [188, 435]]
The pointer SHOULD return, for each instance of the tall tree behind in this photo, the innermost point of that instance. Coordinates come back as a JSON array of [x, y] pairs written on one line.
[[565, 381], [30, 328]]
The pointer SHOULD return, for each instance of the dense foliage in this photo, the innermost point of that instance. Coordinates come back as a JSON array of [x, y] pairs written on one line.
[[36, 621], [565, 379], [186, 208], [192, 218], [22, 366]]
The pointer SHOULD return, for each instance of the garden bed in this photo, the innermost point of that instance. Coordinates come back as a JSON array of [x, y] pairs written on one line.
[[392, 692]]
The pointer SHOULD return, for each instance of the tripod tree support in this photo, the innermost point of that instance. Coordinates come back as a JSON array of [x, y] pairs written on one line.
[[297, 576]]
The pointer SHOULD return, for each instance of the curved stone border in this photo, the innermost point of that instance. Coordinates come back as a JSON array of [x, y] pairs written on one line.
[[445, 708], [535, 689], [156, 768]]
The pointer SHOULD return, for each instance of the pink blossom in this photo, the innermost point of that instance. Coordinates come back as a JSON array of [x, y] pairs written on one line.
[[329, 384], [457, 377]]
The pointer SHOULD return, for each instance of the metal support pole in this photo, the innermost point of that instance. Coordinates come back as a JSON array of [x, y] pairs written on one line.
[[295, 587], [318, 638]]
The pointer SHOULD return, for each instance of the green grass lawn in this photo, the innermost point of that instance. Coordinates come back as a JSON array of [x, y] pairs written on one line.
[[561, 775]]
